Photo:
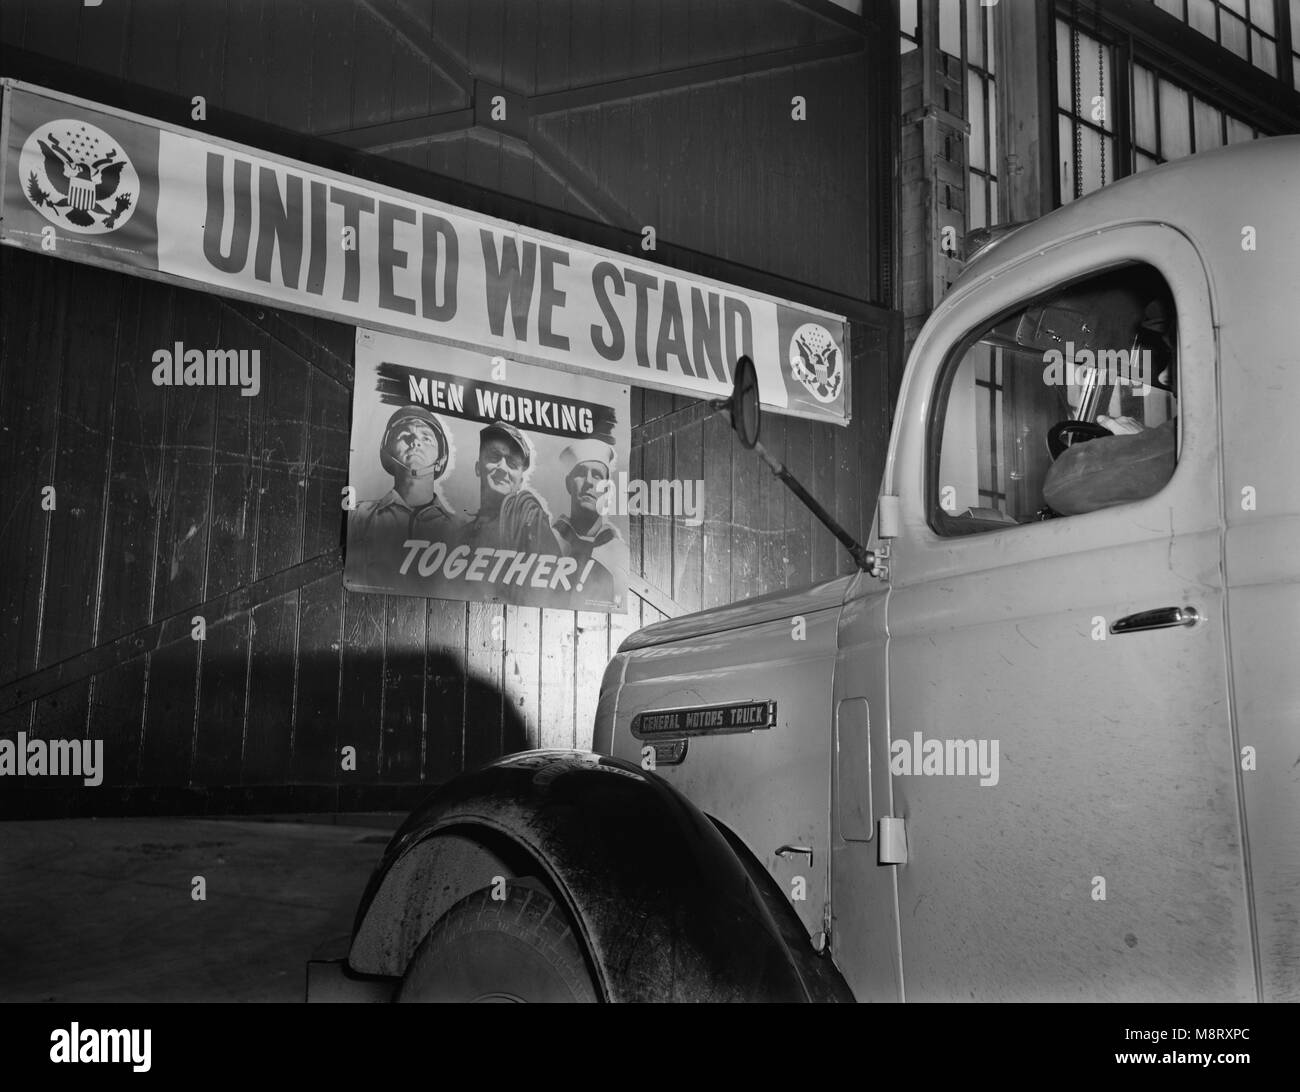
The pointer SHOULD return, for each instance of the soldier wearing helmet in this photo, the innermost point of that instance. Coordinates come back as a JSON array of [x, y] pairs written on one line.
[[415, 451]]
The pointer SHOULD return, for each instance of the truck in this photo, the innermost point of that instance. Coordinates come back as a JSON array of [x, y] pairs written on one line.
[[1041, 744]]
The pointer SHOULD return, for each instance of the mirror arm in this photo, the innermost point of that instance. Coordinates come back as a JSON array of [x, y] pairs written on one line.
[[866, 559]]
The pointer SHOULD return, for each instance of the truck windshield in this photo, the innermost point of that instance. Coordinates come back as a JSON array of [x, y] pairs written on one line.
[[1064, 406]]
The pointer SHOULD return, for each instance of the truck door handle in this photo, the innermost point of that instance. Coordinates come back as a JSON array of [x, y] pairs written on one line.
[[1160, 618], [795, 851]]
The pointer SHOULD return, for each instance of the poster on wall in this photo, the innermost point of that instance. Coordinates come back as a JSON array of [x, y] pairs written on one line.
[[92, 184], [479, 478]]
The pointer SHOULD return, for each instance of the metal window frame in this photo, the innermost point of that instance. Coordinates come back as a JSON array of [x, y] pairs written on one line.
[[1139, 32]]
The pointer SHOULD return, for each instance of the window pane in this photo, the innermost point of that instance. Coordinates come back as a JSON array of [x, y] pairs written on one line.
[[1232, 33], [1065, 136], [975, 115], [1175, 141], [1094, 77], [950, 28], [1174, 7], [991, 117], [1098, 164], [907, 17], [974, 33], [1239, 6], [1263, 53], [1239, 131], [1200, 15], [993, 203], [976, 216], [992, 59], [1143, 162], [1261, 14], [1209, 126], [1144, 108], [990, 447], [1064, 90]]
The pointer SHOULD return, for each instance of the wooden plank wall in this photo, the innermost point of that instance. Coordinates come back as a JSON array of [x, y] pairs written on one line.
[[171, 498]]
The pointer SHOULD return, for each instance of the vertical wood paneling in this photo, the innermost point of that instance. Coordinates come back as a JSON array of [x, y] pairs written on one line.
[[290, 72], [522, 668], [246, 89], [116, 717], [796, 520], [63, 714], [718, 501], [403, 728], [316, 721], [326, 472], [102, 34], [591, 638], [135, 479], [34, 332], [44, 27], [280, 454], [556, 685], [446, 689], [688, 538], [269, 734], [169, 714], [151, 56], [180, 565], [201, 54], [483, 700], [234, 489], [657, 530], [362, 691], [223, 696], [333, 52]]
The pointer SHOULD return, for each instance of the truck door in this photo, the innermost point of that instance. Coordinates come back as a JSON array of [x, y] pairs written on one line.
[[1061, 746]]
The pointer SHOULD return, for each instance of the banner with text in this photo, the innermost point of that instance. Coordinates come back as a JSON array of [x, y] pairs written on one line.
[[483, 481], [98, 185]]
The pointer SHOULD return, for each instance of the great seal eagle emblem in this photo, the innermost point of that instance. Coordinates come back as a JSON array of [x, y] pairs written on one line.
[[815, 360], [78, 177]]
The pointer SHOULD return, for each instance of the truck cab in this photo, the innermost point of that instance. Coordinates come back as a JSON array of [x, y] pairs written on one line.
[[1044, 747]]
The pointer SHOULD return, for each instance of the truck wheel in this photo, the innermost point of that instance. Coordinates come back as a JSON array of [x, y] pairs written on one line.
[[517, 949]]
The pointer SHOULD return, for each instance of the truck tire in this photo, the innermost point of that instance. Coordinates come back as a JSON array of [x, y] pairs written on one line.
[[517, 949]]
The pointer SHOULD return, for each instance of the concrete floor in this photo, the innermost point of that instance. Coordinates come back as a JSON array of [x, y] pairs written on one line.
[[101, 909]]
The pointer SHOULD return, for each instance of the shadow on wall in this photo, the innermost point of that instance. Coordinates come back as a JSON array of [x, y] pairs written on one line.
[[364, 733]]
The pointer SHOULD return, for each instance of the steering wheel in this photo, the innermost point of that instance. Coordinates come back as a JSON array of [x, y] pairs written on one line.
[[1083, 430]]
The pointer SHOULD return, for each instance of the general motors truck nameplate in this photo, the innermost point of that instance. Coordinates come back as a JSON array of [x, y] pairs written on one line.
[[704, 720]]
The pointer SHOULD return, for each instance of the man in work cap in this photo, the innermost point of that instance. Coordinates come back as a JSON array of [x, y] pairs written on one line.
[[585, 534], [415, 450], [510, 516]]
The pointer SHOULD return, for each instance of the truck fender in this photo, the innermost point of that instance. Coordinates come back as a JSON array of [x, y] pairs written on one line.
[[664, 906]]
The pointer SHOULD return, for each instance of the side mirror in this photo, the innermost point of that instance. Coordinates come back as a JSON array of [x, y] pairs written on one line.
[[746, 416]]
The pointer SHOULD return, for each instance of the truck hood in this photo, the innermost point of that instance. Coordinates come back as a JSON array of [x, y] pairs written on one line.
[[769, 786], [747, 612]]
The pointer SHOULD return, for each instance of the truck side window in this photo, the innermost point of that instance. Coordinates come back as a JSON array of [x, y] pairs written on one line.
[[1064, 406]]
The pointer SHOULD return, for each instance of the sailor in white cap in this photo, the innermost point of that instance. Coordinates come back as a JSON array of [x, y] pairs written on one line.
[[585, 534]]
